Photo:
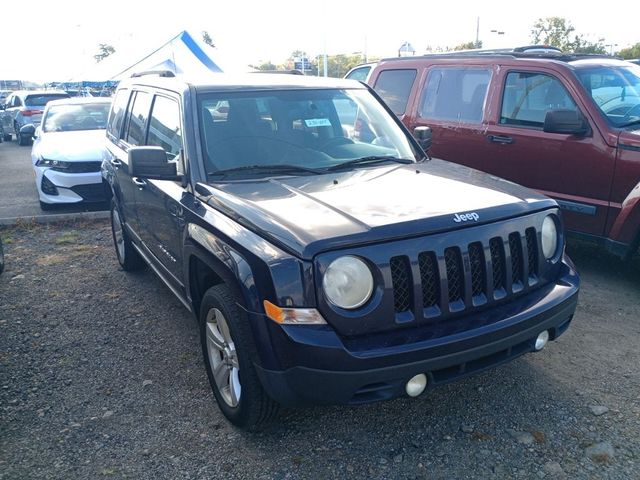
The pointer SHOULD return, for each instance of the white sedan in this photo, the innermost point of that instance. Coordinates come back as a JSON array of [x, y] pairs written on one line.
[[68, 150]]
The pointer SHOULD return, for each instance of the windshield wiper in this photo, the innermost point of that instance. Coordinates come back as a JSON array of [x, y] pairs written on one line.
[[369, 160], [276, 168]]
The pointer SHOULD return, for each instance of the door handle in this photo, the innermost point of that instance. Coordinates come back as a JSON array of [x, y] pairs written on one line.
[[139, 182], [500, 139]]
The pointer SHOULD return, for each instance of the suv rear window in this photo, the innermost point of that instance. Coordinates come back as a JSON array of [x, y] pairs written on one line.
[[455, 94], [41, 100], [394, 86], [528, 96]]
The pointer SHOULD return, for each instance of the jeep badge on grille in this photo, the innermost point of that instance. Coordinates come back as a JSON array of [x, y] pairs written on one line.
[[465, 217]]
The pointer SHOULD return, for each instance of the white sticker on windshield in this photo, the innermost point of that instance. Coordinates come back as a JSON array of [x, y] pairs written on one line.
[[317, 122]]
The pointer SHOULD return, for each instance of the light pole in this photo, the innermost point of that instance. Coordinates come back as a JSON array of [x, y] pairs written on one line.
[[611, 45]]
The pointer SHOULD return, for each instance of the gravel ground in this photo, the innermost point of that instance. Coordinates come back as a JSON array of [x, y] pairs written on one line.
[[101, 376]]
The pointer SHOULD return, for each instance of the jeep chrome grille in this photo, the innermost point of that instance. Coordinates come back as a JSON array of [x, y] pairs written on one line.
[[475, 274]]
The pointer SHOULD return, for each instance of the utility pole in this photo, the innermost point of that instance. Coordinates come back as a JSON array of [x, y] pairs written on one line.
[[478, 33]]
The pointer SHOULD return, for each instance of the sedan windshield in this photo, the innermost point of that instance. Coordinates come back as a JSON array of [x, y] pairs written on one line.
[[615, 90], [65, 118], [308, 128]]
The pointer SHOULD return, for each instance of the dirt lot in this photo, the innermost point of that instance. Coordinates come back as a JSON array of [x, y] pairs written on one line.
[[101, 376]]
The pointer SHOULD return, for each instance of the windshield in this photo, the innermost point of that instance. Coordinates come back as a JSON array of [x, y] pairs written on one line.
[[65, 118], [41, 100], [615, 90], [307, 128]]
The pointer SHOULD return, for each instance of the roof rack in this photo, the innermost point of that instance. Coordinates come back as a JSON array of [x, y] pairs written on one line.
[[160, 73], [521, 52]]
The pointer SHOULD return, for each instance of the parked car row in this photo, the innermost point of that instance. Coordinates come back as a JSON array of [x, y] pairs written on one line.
[[566, 125]]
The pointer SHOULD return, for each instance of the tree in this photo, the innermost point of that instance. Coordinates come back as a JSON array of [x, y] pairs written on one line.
[[468, 45], [631, 52], [206, 38], [558, 32], [104, 50], [267, 66]]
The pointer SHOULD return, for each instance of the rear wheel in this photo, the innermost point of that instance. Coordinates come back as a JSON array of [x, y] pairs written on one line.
[[128, 257], [7, 137], [229, 353]]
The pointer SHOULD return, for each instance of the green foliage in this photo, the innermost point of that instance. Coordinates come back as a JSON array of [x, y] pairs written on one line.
[[631, 52], [267, 66], [206, 38], [104, 50], [558, 32], [468, 46]]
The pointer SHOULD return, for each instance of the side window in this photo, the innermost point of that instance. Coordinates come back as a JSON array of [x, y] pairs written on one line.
[[455, 94], [16, 102], [360, 73], [116, 116], [164, 126], [138, 119], [529, 96], [394, 86]]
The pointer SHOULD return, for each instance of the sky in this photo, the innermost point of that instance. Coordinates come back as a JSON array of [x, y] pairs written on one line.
[[59, 39]]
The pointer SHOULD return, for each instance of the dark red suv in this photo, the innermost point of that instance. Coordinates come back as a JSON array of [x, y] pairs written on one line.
[[566, 125]]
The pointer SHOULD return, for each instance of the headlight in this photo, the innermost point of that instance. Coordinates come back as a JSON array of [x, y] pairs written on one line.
[[549, 237], [348, 282], [55, 164]]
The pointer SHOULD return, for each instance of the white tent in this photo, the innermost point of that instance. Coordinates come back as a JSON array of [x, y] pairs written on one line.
[[181, 54]]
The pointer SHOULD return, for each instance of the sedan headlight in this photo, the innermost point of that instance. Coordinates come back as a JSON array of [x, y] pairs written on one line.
[[549, 237], [348, 282], [55, 164]]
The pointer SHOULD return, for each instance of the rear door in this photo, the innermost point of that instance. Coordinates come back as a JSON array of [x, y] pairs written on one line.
[[159, 202], [576, 170], [451, 100]]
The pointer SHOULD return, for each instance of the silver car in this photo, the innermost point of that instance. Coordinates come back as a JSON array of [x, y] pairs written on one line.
[[24, 107]]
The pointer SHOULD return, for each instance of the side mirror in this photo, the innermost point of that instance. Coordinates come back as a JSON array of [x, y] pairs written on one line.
[[424, 135], [570, 122], [28, 131], [151, 163]]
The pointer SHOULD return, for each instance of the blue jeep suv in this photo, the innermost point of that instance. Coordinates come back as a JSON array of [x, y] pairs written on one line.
[[324, 266]]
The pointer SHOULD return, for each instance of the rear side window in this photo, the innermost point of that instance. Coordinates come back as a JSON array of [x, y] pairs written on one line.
[[164, 126], [394, 86], [529, 96], [138, 119], [116, 116], [360, 73], [455, 94]]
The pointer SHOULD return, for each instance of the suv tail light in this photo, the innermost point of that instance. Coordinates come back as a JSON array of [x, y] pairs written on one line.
[[28, 113]]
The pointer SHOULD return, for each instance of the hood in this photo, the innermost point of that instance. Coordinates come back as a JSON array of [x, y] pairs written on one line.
[[310, 214], [83, 145], [630, 139]]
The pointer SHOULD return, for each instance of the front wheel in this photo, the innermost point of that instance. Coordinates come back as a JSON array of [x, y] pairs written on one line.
[[229, 351], [128, 257]]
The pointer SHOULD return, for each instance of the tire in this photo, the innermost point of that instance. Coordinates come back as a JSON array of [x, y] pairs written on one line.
[[128, 258], [46, 206], [228, 350], [1, 257], [7, 137], [22, 141]]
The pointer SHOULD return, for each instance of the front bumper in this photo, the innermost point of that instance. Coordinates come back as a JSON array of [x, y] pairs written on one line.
[[71, 187], [319, 367]]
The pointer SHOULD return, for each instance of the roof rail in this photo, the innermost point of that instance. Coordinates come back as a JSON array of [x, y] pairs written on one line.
[[160, 73], [284, 72]]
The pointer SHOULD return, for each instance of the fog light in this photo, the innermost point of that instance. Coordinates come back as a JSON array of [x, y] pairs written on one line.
[[416, 385], [47, 186], [542, 340]]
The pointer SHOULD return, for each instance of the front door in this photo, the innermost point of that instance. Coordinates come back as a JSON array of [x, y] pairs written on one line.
[[576, 170], [159, 202]]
